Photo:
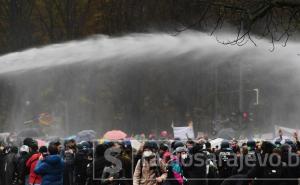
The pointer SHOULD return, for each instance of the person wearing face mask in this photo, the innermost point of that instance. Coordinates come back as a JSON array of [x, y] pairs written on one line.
[[150, 170], [175, 168]]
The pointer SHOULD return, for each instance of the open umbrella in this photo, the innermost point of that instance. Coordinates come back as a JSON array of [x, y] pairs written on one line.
[[226, 133], [30, 132], [115, 135], [86, 135]]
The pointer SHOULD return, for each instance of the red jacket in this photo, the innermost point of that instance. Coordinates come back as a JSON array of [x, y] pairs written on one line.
[[30, 164]]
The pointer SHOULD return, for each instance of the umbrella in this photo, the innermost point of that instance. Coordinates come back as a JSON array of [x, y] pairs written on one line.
[[30, 132], [70, 137], [115, 135], [41, 142], [86, 135], [227, 133]]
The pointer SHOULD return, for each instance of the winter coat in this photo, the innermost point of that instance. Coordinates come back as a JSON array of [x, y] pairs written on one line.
[[95, 170], [175, 172], [51, 169], [21, 168], [272, 175], [80, 165], [2, 168], [68, 156], [31, 164], [195, 170], [9, 171], [147, 170], [112, 171]]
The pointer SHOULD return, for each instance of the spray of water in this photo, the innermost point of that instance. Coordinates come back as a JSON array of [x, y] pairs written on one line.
[[141, 82]]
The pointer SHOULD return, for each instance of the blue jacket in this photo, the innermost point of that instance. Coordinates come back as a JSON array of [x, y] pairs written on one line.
[[51, 169]]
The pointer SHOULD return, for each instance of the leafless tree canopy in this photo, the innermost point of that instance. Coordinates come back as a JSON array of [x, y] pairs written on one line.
[[26, 23], [276, 20]]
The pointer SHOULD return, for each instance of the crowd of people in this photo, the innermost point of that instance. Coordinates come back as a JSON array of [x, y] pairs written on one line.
[[155, 162]]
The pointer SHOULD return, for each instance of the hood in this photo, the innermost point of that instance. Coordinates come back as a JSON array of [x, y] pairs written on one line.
[[53, 159]]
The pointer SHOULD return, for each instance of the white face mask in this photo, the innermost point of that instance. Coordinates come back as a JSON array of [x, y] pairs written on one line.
[[184, 156], [147, 153]]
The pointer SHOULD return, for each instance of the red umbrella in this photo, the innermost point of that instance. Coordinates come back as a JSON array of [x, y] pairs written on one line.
[[115, 135]]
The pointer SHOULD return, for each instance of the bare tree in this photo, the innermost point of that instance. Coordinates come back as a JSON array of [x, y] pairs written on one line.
[[276, 20]]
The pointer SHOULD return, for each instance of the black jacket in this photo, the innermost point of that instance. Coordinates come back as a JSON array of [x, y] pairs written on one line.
[[80, 166], [9, 170], [195, 168], [268, 174]]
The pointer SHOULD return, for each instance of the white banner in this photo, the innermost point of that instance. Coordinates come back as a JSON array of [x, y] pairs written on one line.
[[267, 136], [285, 131], [184, 132]]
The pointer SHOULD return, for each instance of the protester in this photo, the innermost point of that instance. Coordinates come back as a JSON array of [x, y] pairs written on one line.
[[175, 170], [224, 156], [273, 173], [80, 163], [33, 149], [149, 170], [163, 162], [114, 173], [35, 179], [2, 155], [95, 167], [51, 167], [21, 164], [10, 165], [68, 156]]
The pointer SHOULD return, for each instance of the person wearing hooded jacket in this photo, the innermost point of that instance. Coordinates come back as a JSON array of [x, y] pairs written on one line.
[[21, 160], [224, 155], [33, 149], [68, 155], [96, 165], [80, 163], [10, 165], [35, 179], [51, 168], [196, 165], [150, 170]]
